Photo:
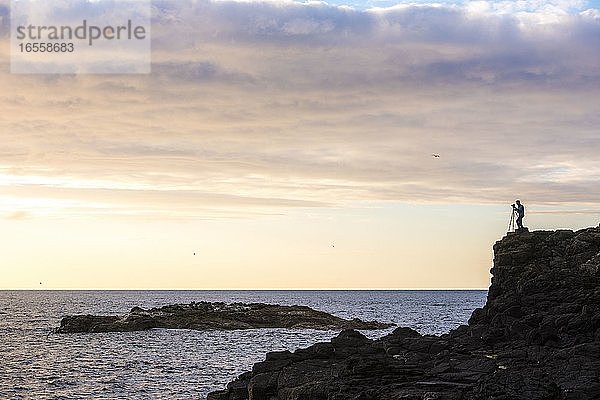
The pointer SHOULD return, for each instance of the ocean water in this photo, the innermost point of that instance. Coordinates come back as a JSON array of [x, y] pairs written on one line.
[[179, 364]]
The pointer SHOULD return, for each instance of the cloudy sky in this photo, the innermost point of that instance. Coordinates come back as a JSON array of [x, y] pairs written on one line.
[[289, 145]]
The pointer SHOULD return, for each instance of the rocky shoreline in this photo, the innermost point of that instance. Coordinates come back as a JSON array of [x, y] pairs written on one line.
[[537, 338], [218, 316]]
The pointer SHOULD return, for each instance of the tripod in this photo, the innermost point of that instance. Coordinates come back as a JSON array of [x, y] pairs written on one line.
[[511, 223]]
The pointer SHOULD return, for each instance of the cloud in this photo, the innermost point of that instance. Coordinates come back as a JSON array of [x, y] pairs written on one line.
[[263, 106], [422, 44]]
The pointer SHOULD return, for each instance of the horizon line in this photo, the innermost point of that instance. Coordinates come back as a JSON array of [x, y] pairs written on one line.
[[235, 289]]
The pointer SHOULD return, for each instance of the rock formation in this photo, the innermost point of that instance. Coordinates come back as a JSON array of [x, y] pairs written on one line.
[[205, 315], [537, 338]]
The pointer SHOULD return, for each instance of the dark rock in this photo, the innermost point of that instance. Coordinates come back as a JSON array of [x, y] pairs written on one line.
[[263, 386], [219, 395], [89, 323], [350, 338], [537, 338], [219, 316]]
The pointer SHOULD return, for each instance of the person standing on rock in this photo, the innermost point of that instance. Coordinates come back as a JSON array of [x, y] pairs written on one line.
[[520, 210]]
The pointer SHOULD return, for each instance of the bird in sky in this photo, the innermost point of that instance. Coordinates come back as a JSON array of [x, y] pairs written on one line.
[[435, 155]]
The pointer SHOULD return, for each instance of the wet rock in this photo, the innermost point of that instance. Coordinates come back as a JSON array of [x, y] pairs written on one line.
[[219, 316]]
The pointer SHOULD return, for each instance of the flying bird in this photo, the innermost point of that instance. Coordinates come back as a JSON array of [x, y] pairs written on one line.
[[435, 155]]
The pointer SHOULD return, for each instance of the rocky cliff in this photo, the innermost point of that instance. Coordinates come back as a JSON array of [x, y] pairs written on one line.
[[537, 337]]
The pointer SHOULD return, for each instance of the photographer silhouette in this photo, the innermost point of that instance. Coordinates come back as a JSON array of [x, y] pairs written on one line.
[[520, 210]]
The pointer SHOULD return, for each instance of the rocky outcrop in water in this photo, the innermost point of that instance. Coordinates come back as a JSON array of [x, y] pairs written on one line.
[[220, 316], [537, 338]]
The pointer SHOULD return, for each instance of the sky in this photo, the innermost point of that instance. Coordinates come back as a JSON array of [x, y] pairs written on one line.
[[289, 145]]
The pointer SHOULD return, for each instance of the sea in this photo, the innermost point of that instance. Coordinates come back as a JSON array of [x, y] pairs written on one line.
[[36, 363]]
